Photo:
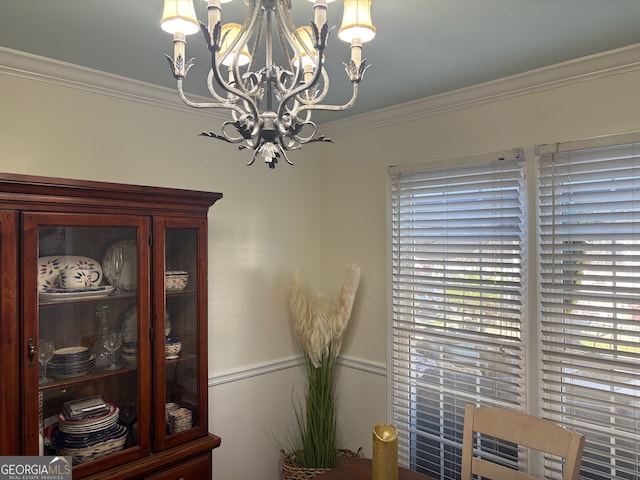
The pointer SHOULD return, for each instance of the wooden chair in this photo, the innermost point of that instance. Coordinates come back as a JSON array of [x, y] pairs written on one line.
[[521, 429]]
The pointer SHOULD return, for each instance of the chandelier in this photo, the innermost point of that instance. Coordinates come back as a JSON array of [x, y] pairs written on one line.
[[270, 104]]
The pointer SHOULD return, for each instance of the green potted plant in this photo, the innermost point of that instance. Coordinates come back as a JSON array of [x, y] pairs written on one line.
[[319, 324]]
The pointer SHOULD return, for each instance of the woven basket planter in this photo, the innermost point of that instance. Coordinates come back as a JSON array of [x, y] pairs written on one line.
[[291, 470]]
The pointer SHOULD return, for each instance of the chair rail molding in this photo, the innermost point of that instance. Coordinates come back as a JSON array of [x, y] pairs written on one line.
[[274, 366]]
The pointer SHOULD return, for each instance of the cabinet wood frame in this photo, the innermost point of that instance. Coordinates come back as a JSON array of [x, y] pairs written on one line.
[[26, 202]]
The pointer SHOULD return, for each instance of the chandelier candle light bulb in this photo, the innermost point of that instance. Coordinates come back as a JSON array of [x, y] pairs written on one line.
[[230, 32], [270, 105], [214, 13]]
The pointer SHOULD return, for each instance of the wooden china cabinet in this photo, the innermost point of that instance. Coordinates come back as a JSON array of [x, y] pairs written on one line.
[[104, 327]]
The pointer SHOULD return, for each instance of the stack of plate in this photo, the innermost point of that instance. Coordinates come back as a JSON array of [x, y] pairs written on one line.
[[84, 408], [90, 437], [71, 362]]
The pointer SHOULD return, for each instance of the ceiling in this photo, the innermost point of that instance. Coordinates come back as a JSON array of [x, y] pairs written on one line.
[[422, 47]]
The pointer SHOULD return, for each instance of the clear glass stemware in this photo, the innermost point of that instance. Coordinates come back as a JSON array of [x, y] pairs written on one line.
[[112, 343], [45, 353], [117, 262]]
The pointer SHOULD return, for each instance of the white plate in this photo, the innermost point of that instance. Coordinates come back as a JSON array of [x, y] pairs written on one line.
[[66, 376], [90, 424], [128, 279], [58, 294], [130, 326], [75, 351], [49, 267]]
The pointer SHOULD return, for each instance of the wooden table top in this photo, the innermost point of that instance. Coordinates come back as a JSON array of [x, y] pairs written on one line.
[[360, 469]]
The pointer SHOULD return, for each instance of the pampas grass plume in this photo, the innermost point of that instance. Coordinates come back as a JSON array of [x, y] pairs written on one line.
[[318, 323]]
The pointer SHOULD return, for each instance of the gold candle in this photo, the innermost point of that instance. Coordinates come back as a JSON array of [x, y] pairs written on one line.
[[385, 452]]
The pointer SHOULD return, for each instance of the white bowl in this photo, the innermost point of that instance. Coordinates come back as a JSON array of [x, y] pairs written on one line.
[[175, 280], [130, 358], [173, 429], [180, 416], [172, 350], [170, 407]]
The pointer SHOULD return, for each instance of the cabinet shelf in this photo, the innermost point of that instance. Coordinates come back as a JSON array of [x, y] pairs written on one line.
[[97, 299], [61, 383], [184, 358]]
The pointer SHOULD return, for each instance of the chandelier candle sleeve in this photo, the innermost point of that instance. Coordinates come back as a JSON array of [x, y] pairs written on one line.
[[320, 12], [356, 51], [214, 13]]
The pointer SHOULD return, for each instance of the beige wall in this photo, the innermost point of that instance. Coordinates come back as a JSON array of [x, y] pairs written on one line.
[[354, 208], [323, 213], [266, 226]]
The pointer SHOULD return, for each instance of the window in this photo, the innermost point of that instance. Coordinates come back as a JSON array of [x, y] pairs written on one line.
[[458, 237], [461, 327], [590, 301]]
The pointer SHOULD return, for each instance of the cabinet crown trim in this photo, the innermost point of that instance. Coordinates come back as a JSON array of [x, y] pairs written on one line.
[[23, 191]]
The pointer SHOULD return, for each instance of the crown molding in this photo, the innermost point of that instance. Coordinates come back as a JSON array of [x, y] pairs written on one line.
[[47, 70], [613, 62]]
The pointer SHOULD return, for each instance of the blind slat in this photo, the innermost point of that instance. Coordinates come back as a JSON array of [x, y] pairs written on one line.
[[459, 254], [458, 283], [589, 242]]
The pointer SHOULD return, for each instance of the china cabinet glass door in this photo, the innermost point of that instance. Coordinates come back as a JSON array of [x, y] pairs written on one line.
[[87, 322], [181, 336]]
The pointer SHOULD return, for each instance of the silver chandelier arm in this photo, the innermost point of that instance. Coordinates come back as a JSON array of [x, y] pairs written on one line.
[[252, 142], [318, 97], [231, 100], [295, 94], [289, 34], [335, 108], [212, 90], [299, 139], [252, 28], [356, 74], [239, 122], [214, 47], [201, 105]]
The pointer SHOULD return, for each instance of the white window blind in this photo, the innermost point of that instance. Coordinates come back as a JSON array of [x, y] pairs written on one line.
[[457, 304], [589, 205]]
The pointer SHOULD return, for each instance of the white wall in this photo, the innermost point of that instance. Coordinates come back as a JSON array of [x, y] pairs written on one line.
[[320, 215]]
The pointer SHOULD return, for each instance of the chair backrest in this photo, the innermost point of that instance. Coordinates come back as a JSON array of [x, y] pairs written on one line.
[[521, 429]]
